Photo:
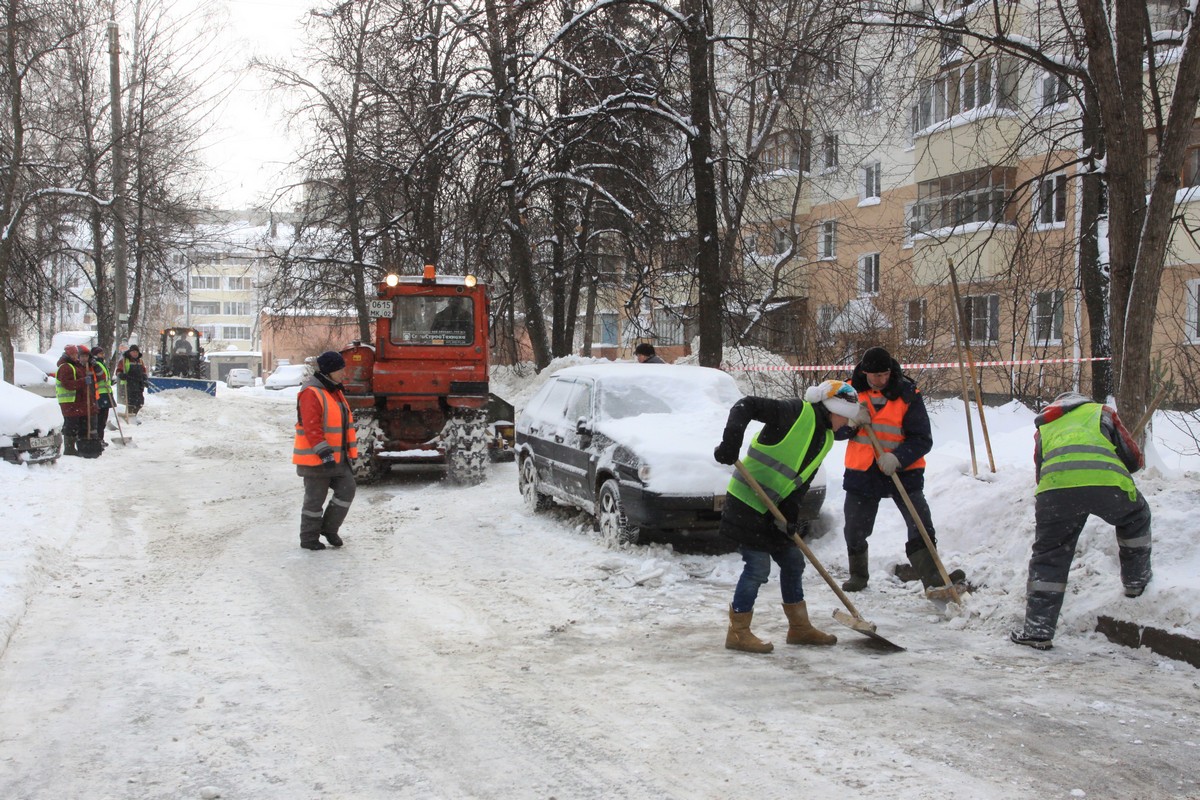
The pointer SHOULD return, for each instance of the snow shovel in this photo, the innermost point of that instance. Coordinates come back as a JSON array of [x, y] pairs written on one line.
[[853, 620], [122, 439], [947, 589]]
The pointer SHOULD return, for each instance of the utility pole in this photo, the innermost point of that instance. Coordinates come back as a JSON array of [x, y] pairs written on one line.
[[120, 250]]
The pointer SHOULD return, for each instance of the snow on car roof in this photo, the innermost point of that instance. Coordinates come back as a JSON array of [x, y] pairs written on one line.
[[23, 412]]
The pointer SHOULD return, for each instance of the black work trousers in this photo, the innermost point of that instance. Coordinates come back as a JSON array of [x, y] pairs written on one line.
[[317, 517], [1060, 516], [860, 511]]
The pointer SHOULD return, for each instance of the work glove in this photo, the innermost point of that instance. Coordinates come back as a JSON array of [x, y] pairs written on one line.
[[328, 459], [726, 453], [863, 417], [888, 464], [88, 379]]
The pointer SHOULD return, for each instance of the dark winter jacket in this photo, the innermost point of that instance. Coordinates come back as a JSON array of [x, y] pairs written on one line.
[[132, 372], [740, 522], [918, 438], [1110, 426]]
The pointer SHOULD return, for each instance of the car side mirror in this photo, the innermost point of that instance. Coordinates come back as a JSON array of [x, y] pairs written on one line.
[[582, 427]]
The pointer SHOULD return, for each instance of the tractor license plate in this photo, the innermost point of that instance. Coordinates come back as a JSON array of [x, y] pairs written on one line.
[[41, 441], [718, 502], [380, 308]]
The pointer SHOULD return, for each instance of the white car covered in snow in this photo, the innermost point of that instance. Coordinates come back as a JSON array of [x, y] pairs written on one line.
[[33, 378], [30, 426], [633, 445], [287, 375]]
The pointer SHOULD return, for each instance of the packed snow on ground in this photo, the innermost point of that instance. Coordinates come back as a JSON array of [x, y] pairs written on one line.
[[162, 635]]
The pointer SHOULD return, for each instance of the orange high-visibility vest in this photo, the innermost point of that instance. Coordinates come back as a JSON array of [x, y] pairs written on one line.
[[336, 418], [887, 419]]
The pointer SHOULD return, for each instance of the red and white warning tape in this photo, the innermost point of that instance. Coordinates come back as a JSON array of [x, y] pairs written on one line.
[[938, 365]]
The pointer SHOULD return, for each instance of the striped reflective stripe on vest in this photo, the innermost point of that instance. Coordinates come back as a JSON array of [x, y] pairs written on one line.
[[1075, 453], [780, 468], [64, 394], [887, 420], [305, 454]]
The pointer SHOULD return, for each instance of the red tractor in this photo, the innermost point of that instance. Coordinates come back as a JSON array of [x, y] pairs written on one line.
[[420, 394]]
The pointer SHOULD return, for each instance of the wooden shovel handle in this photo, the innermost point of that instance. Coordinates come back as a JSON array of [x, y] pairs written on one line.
[[913, 513], [804, 548]]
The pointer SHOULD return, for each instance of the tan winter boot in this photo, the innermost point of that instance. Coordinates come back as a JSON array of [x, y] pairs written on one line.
[[800, 630], [739, 636]]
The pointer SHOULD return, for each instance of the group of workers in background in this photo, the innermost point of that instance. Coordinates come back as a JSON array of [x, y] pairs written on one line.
[[84, 386]]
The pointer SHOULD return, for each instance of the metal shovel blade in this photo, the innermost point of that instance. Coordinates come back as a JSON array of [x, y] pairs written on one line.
[[860, 625]]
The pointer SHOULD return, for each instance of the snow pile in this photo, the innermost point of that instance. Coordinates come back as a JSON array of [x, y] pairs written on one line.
[[23, 413]]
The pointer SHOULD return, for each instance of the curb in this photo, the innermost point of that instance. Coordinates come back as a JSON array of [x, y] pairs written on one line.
[[1170, 645]]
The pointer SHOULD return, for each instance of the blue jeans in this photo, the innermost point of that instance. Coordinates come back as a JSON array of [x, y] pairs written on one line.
[[757, 569]]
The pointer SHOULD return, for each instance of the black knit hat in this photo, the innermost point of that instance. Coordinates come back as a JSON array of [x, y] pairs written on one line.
[[330, 362], [876, 360]]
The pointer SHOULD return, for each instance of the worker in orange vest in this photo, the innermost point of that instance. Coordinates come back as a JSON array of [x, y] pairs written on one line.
[[323, 451], [900, 422]]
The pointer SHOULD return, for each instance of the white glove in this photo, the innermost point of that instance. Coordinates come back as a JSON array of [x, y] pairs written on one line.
[[888, 464], [863, 417]]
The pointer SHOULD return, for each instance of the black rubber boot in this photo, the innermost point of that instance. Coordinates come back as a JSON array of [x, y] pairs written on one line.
[[859, 572], [922, 561]]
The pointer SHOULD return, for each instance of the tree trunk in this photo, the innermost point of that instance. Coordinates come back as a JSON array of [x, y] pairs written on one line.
[[708, 255]]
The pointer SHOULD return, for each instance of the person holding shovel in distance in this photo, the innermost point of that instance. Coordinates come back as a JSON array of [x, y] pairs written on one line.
[[782, 458], [896, 412]]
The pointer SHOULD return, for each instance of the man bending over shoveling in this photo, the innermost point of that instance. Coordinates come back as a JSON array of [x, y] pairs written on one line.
[[782, 458]]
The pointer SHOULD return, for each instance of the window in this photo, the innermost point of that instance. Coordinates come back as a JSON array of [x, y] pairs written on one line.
[[826, 314], [911, 226], [871, 93], [976, 196], [206, 281], [783, 241], [829, 150], [668, 328], [872, 182], [827, 239], [981, 318], [914, 321], [965, 87], [868, 274], [830, 69], [1054, 90], [205, 307], [1050, 202], [608, 329], [235, 309], [787, 150], [238, 283], [229, 332], [1047, 317], [1193, 311], [207, 332]]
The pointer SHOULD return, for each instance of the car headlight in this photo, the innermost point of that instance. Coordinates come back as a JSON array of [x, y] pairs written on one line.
[[644, 473]]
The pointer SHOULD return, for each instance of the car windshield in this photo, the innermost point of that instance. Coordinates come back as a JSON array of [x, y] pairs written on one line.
[[632, 396]]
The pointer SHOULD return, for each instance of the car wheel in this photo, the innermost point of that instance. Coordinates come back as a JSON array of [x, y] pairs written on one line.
[[610, 515], [527, 482]]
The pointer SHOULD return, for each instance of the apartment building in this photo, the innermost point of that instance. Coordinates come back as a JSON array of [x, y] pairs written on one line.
[[947, 155]]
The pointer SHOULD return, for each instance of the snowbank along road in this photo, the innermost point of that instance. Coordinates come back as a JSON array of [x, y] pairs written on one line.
[[182, 645]]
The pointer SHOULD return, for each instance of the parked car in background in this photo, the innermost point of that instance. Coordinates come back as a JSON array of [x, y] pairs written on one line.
[[632, 445], [287, 375], [32, 378], [239, 377], [30, 426], [46, 364]]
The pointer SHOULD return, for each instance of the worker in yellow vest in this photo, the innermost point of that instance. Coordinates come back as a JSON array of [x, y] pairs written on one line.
[[782, 458], [1084, 461]]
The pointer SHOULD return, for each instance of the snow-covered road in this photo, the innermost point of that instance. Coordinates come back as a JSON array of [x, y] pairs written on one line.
[[182, 645]]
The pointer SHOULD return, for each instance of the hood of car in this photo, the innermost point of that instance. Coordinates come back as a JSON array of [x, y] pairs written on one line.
[[23, 413], [677, 448]]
